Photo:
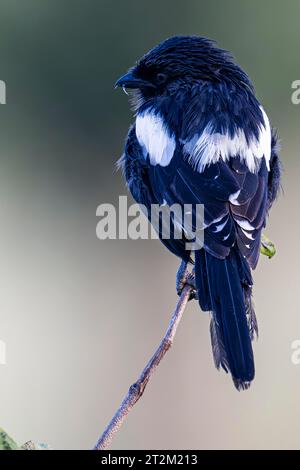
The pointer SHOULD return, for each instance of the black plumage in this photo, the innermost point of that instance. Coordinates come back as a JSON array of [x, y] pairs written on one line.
[[202, 137]]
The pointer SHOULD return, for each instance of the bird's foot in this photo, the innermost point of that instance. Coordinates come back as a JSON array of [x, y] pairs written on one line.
[[186, 278]]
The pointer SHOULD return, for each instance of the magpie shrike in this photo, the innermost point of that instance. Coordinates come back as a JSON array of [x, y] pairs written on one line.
[[201, 137]]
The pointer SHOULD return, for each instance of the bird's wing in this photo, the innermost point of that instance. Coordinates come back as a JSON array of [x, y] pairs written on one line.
[[137, 172], [234, 198]]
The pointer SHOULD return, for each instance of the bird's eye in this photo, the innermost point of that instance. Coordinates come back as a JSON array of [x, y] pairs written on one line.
[[161, 78]]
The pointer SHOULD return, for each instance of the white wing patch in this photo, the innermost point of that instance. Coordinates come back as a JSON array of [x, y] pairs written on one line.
[[155, 139], [244, 224], [247, 234], [210, 147], [233, 198], [220, 227]]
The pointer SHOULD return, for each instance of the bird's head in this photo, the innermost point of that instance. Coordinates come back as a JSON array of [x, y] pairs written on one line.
[[182, 61]]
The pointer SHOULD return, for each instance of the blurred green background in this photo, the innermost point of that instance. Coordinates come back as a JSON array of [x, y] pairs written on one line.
[[80, 317]]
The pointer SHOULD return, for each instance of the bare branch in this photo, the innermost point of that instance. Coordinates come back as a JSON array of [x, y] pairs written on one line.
[[137, 389]]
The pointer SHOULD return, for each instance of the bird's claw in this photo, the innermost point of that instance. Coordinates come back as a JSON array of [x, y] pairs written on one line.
[[185, 278]]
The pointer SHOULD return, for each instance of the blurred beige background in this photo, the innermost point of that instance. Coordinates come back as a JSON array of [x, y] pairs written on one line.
[[80, 317]]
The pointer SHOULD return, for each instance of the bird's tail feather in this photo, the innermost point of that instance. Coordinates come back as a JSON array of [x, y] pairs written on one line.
[[224, 288], [250, 313]]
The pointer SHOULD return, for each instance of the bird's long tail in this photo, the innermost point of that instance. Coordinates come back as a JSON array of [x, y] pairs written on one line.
[[224, 289]]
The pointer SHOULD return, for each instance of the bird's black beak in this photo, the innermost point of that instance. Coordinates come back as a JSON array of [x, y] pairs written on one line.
[[129, 80]]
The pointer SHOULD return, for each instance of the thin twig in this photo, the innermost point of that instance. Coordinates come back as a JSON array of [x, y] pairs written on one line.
[[137, 389]]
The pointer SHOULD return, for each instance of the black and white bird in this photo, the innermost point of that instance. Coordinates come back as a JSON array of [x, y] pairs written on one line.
[[201, 137]]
